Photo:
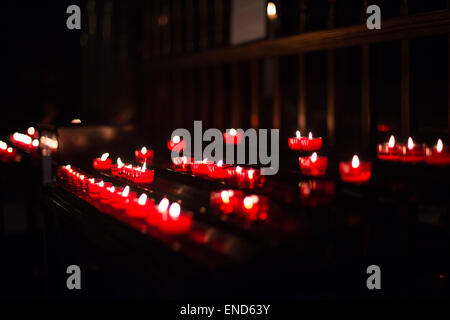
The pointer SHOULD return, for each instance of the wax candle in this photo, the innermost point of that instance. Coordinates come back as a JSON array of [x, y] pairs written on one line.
[[412, 152], [94, 187], [313, 165], [105, 194], [218, 171], [232, 136], [140, 208], [255, 207], [31, 131], [182, 164], [389, 150], [294, 142], [142, 175], [310, 143], [121, 199], [439, 155], [356, 171], [245, 177], [103, 163], [176, 144], [226, 201], [144, 155], [200, 168], [24, 141], [175, 222]]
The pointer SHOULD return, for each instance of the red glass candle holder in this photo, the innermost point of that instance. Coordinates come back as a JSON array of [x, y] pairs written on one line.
[[294, 143], [355, 171], [232, 136], [143, 177], [317, 192], [177, 145], [200, 168], [311, 144], [313, 165], [174, 221], [439, 155], [101, 165], [182, 164], [120, 201], [412, 153], [255, 207], [144, 156], [388, 150], [244, 177], [139, 208], [94, 189], [218, 171], [226, 201]]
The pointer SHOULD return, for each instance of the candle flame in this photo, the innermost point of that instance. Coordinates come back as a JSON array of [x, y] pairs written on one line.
[[144, 150], [144, 167], [205, 160], [92, 180], [119, 163], [184, 159], [314, 157], [3, 145], [176, 139], [31, 131], [233, 132], [225, 196], [112, 189], [174, 211], [125, 191], [101, 184], [310, 136], [355, 162], [104, 156], [271, 10], [82, 177], [255, 198], [391, 142], [9, 149], [129, 166], [298, 134], [163, 205], [68, 167], [410, 143], [35, 143], [238, 169], [251, 173], [248, 202], [220, 163], [142, 199], [76, 121], [439, 146], [19, 137]]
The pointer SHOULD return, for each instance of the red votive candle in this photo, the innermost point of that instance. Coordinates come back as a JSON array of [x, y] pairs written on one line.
[[94, 187], [182, 164], [140, 208], [226, 201], [103, 163], [412, 152], [356, 171], [122, 198], [176, 144], [144, 155], [294, 142], [255, 207], [389, 150], [232, 136], [218, 171], [439, 155], [200, 168], [244, 177], [310, 143], [117, 169], [313, 165], [175, 222], [142, 175]]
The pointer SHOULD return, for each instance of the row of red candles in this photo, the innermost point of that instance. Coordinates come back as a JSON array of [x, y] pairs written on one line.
[[25, 142], [7, 153], [231, 136], [110, 199]]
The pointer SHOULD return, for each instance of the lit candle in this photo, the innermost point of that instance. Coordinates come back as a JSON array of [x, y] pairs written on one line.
[[116, 169], [218, 171], [232, 136], [103, 163], [176, 144], [144, 155], [245, 177], [356, 171], [255, 207], [226, 201], [200, 168], [310, 143], [389, 150], [175, 222], [439, 155], [142, 175], [412, 152], [181, 163], [140, 208], [121, 198], [313, 165], [294, 142], [94, 187]]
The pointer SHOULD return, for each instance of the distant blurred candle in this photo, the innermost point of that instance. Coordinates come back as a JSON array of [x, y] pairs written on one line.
[[232, 136], [412, 152], [294, 142], [389, 150], [142, 175], [175, 222], [255, 207], [140, 208], [356, 171], [313, 165], [218, 171], [311, 144], [200, 168], [103, 163], [176, 144], [144, 155], [439, 155]]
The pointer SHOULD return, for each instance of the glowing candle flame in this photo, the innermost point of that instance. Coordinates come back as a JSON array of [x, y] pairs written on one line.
[[355, 162], [3, 145], [410, 143], [129, 166], [314, 157], [76, 121], [119, 163], [31, 131], [144, 167], [255, 198], [82, 177], [101, 184], [310, 136], [297, 134], [220, 163], [271, 10], [35, 143], [248, 203], [174, 211], [251, 173], [163, 205], [142, 199], [205, 160], [125, 191], [391, 142], [439, 146], [238, 169], [233, 132], [144, 150], [68, 167], [225, 196], [176, 139], [112, 189], [92, 180], [9, 150], [104, 156], [184, 159]]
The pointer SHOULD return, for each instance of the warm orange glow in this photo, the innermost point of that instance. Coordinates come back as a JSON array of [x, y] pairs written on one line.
[[233, 132], [31, 131], [142, 199], [298, 135], [176, 139], [439, 146], [314, 157], [19, 137], [410, 143], [271, 11], [174, 211], [248, 203], [355, 162], [104, 156], [163, 205], [125, 191], [391, 142], [144, 150], [225, 196], [76, 121]]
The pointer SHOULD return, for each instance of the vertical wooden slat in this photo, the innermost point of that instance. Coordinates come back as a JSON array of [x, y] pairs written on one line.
[[405, 82], [235, 96], [365, 90], [276, 94], [178, 104], [219, 97], [205, 94], [330, 83], [301, 108], [255, 94]]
